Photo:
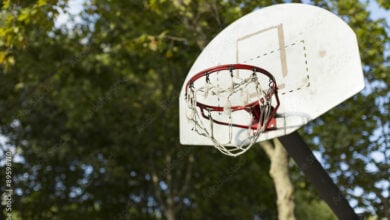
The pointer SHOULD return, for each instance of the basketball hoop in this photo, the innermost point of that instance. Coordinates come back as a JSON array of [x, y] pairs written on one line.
[[233, 96]]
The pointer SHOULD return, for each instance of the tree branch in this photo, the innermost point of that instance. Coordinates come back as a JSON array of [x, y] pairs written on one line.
[[186, 183], [188, 176], [216, 13], [155, 181]]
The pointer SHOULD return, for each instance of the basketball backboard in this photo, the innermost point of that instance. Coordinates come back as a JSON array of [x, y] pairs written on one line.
[[312, 54]]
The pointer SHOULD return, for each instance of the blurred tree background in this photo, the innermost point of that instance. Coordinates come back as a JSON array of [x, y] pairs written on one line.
[[89, 107]]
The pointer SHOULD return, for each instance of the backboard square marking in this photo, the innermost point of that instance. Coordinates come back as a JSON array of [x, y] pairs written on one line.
[[289, 46]]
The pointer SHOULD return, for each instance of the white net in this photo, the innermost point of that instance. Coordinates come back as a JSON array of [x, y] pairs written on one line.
[[231, 99]]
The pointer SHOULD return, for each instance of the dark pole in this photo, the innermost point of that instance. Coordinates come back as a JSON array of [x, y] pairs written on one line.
[[317, 176]]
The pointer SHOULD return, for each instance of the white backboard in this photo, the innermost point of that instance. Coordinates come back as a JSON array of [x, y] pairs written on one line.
[[311, 52]]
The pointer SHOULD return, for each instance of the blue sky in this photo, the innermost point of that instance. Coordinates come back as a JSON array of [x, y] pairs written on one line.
[[377, 12]]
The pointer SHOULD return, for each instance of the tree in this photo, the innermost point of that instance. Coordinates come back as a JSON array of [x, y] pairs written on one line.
[[92, 111]]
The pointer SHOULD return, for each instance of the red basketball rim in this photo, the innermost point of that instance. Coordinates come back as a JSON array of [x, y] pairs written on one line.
[[250, 108]]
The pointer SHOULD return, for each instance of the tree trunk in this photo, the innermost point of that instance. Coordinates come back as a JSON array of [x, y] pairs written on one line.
[[170, 214], [280, 176]]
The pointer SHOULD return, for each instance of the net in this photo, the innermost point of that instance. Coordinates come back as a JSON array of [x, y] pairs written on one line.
[[227, 98]]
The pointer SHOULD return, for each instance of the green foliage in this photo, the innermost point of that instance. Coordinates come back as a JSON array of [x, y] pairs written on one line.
[[18, 21], [92, 110], [93, 113], [312, 209], [385, 4]]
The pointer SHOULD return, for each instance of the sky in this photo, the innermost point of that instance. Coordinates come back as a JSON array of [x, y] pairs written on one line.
[[75, 7], [377, 12]]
